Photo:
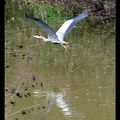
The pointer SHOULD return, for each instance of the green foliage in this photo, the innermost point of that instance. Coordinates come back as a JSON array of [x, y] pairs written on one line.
[[50, 13]]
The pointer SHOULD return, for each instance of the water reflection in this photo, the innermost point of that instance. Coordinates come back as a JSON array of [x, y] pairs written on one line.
[[55, 98], [61, 103]]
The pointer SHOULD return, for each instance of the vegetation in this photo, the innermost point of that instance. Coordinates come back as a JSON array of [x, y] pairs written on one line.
[[52, 13], [60, 9]]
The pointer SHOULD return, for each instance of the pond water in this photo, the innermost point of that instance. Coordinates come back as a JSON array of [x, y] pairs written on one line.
[[46, 81]]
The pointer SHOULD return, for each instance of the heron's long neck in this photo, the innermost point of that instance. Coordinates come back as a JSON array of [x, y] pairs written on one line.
[[41, 37]]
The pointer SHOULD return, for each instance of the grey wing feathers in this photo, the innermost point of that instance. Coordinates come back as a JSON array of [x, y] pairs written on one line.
[[41, 23], [75, 21]]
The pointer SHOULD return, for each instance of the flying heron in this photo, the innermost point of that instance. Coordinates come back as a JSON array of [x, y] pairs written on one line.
[[62, 31]]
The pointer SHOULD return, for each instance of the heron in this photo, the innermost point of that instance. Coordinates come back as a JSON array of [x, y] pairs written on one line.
[[66, 28]]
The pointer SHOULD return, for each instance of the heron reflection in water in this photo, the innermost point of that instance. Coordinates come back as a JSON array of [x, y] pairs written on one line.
[[57, 99], [66, 28]]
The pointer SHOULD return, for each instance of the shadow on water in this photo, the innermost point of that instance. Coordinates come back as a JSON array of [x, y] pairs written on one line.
[[47, 82]]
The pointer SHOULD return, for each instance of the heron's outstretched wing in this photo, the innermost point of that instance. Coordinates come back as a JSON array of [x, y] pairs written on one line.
[[69, 25], [42, 24]]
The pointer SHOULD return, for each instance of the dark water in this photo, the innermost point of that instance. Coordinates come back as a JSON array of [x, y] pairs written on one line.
[[45, 81]]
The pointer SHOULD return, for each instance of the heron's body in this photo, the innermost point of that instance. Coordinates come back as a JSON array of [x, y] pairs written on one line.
[[58, 37]]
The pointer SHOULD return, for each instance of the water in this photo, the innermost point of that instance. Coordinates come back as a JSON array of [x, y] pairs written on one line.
[[45, 81]]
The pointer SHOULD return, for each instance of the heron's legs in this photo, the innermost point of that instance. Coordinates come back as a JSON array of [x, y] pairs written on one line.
[[66, 46]]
